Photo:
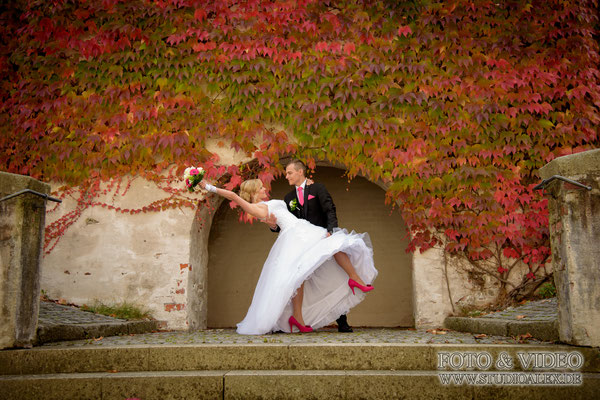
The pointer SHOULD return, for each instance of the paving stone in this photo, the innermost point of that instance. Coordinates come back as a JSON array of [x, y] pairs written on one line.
[[57, 314], [540, 310]]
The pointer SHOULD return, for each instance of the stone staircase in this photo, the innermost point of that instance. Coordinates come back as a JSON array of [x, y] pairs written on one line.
[[267, 371]]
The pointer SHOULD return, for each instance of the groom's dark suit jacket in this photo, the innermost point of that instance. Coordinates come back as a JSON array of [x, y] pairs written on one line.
[[318, 210]]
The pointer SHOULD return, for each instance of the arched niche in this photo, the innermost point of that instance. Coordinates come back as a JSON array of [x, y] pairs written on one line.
[[236, 252]]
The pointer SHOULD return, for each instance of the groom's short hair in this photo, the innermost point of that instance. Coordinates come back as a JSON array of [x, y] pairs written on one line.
[[298, 165]]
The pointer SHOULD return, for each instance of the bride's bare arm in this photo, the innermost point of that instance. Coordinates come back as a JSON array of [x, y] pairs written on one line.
[[259, 211]]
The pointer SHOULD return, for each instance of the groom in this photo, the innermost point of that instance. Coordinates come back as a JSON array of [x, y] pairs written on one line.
[[314, 204]]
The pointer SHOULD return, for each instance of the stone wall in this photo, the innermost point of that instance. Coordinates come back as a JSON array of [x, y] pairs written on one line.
[[21, 239], [156, 260], [112, 257], [443, 286], [160, 261]]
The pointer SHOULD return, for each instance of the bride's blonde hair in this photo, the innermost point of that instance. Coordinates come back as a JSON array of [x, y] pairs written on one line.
[[249, 189]]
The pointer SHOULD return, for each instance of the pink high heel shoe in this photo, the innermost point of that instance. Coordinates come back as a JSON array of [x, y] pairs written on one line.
[[302, 328], [352, 283]]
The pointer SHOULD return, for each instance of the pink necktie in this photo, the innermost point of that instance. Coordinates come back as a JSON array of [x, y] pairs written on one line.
[[300, 196]]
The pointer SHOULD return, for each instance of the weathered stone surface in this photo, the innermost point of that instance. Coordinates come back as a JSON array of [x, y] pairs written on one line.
[[218, 357], [543, 330], [50, 387], [360, 356], [274, 385], [477, 325], [575, 235], [163, 385], [22, 221], [111, 257], [58, 322], [588, 390], [115, 386], [197, 288], [70, 359], [135, 371], [285, 385]]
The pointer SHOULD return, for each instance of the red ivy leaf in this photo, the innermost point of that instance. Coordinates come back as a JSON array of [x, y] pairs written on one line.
[[404, 31], [349, 48], [200, 14]]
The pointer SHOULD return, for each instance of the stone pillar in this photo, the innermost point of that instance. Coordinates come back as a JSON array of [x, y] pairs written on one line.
[[22, 220], [575, 238]]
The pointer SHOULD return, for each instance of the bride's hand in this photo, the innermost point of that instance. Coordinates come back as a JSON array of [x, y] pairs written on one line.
[[309, 181], [202, 184]]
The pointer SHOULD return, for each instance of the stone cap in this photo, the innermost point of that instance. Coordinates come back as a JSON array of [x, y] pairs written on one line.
[[12, 183], [573, 165]]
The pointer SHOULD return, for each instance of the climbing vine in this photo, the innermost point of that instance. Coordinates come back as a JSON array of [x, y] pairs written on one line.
[[454, 105]]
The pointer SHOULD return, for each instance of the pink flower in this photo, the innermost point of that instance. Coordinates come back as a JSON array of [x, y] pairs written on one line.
[[194, 171], [187, 182]]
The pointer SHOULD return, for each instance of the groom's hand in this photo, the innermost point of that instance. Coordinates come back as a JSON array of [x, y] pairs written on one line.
[[271, 220]]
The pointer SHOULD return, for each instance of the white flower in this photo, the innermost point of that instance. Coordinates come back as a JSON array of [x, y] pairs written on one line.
[[293, 204], [186, 173]]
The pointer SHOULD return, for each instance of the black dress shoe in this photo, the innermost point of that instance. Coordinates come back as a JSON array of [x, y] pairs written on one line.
[[343, 326]]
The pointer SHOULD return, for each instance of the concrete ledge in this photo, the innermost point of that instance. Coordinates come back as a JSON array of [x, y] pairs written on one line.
[[477, 325], [360, 356], [572, 165], [542, 330], [218, 357], [56, 333], [56, 360], [117, 386], [273, 385], [384, 385]]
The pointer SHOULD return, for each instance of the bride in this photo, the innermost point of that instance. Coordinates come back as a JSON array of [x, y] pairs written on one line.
[[301, 285]]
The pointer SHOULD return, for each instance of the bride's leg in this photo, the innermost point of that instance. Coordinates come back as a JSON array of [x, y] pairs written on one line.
[[297, 304], [344, 261]]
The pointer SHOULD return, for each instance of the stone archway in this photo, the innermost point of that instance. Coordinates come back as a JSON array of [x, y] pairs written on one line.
[[237, 252]]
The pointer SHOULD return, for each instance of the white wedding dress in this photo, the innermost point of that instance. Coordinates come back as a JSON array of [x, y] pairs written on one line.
[[303, 252]]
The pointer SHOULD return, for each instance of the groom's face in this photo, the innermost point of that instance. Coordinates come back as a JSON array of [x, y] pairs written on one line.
[[294, 176]]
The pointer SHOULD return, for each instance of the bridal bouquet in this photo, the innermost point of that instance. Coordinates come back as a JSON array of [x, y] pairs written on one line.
[[193, 176]]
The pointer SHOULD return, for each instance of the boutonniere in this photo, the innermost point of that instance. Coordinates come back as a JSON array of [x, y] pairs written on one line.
[[293, 205]]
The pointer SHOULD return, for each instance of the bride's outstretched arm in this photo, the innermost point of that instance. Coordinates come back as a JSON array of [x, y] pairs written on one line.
[[256, 210]]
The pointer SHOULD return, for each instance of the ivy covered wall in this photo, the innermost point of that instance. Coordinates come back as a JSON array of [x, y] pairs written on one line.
[[453, 105]]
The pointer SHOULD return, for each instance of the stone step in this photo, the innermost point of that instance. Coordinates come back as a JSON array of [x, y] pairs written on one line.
[[541, 330], [273, 384], [61, 332], [58, 322], [301, 356]]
